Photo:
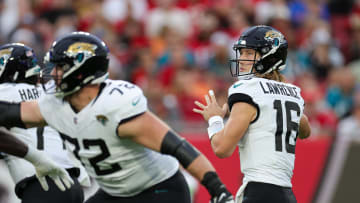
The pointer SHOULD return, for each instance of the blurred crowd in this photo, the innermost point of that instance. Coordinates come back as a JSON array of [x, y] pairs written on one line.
[[176, 50]]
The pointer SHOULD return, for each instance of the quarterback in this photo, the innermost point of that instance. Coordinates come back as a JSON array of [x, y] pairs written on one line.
[[266, 117]]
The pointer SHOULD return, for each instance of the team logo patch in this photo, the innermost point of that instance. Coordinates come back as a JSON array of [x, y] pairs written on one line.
[[102, 119]]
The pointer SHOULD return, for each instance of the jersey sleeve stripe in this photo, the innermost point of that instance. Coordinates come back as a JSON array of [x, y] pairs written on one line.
[[130, 118], [240, 97]]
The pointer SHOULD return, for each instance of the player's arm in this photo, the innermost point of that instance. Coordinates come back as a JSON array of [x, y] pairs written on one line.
[[12, 145], [304, 128], [225, 141], [43, 165], [225, 138], [149, 131], [23, 115]]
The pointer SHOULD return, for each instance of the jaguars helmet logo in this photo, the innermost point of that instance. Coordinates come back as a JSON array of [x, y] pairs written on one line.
[[81, 47], [4, 57], [275, 37], [102, 119], [81, 51]]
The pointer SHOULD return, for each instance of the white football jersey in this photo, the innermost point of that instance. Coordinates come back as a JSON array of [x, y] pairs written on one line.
[[44, 138], [267, 150], [120, 166]]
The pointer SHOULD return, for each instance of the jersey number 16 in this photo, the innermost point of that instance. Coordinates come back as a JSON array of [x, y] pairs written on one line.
[[290, 125]]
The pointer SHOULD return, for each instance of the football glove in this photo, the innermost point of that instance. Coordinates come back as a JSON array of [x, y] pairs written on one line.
[[44, 166], [217, 190]]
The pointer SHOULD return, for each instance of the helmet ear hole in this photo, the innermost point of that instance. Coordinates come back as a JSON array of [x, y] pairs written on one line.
[[259, 67]]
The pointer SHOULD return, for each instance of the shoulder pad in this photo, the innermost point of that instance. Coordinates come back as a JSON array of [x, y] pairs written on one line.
[[243, 86], [124, 99]]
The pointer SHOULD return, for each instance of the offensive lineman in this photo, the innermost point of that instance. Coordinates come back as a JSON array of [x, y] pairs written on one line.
[[112, 132], [18, 76], [265, 120]]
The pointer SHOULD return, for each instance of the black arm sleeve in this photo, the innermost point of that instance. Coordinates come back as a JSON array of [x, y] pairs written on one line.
[[239, 97], [10, 115], [178, 147]]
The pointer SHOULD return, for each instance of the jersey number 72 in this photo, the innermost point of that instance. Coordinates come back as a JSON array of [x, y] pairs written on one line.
[[94, 161]]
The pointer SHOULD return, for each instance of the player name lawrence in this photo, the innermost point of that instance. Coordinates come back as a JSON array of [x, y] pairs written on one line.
[[280, 89]]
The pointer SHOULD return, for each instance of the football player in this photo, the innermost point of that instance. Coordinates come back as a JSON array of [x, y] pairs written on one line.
[[18, 78], [132, 154], [266, 117]]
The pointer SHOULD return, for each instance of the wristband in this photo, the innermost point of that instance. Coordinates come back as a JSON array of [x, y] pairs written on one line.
[[216, 124]]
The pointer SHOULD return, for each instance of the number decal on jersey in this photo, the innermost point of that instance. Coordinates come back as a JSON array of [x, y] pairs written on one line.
[[290, 125], [119, 88], [75, 143], [104, 154], [96, 159], [41, 139]]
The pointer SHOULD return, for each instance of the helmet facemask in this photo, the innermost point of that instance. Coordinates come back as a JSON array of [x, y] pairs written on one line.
[[51, 76], [236, 70], [58, 77]]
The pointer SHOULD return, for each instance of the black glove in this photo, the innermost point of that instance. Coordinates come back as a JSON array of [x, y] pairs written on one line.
[[217, 190]]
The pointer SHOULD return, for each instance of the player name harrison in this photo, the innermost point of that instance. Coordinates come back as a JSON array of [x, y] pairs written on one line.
[[281, 89]]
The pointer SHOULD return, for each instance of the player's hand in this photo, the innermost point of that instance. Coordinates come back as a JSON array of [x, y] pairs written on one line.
[[211, 108], [222, 197], [44, 166]]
